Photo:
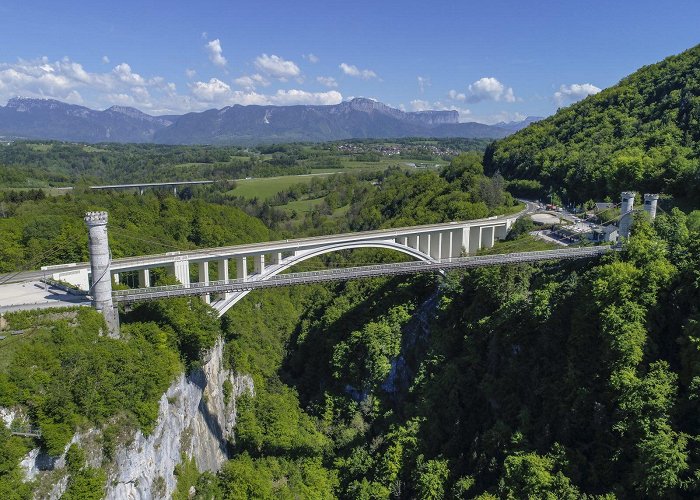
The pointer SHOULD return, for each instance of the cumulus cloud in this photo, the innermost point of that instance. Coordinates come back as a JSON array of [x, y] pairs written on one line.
[[105, 60], [276, 67], [69, 81], [252, 81], [313, 59], [124, 73], [210, 91], [423, 82], [420, 105], [190, 73], [286, 97], [456, 96], [352, 70], [216, 53], [219, 93], [490, 89], [328, 81], [568, 94]]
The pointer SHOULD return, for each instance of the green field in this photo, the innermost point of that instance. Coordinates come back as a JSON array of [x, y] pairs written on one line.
[[301, 206], [266, 187]]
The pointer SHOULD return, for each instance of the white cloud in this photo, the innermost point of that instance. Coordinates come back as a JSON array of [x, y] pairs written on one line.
[[311, 58], [251, 81], [69, 81], [124, 73], [490, 89], [420, 105], [568, 94], [423, 82], [190, 73], [277, 67], [286, 97], [328, 81], [219, 93], [456, 96], [216, 53], [352, 70], [210, 91], [74, 97], [105, 60]]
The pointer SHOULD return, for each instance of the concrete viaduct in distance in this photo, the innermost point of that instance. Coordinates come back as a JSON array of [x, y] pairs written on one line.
[[144, 185], [429, 243]]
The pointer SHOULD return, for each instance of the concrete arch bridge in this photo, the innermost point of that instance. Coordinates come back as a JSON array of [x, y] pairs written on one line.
[[432, 243]]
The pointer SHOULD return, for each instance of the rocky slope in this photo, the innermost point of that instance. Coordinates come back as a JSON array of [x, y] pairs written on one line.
[[195, 421]]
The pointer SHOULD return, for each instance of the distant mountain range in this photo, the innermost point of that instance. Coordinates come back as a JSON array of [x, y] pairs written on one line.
[[356, 119]]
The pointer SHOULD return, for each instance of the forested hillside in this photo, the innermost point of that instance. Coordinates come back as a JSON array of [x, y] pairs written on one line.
[[516, 382], [642, 134]]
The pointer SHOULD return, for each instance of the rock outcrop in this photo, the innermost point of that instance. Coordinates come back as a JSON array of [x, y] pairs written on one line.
[[195, 420]]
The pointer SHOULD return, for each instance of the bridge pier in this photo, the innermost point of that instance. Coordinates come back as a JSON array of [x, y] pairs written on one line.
[[446, 251], [487, 236], [502, 232], [203, 271], [474, 239], [222, 273], [424, 243], [457, 242], [241, 268], [413, 241], [275, 258], [259, 263], [435, 245], [144, 278], [181, 271]]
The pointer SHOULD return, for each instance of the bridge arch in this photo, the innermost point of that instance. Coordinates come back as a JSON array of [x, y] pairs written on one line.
[[276, 269]]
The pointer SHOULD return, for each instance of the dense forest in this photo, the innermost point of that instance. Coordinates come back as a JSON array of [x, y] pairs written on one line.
[[642, 134]]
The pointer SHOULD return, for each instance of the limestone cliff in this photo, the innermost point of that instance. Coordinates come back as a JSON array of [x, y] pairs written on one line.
[[194, 420]]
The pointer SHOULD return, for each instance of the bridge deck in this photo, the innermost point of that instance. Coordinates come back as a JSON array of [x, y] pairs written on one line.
[[249, 249], [238, 285]]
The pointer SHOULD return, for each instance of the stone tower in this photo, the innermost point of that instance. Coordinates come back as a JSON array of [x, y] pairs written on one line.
[[626, 213], [650, 202], [100, 260]]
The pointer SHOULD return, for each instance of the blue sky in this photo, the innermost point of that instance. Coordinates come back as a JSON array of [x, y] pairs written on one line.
[[491, 60]]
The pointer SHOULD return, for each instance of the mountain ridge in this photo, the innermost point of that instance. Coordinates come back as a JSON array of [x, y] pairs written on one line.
[[359, 118]]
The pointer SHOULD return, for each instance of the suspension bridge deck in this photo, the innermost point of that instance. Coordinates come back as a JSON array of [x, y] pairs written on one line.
[[341, 274]]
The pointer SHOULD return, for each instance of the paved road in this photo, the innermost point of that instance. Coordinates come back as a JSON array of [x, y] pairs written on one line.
[[34, 295]]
